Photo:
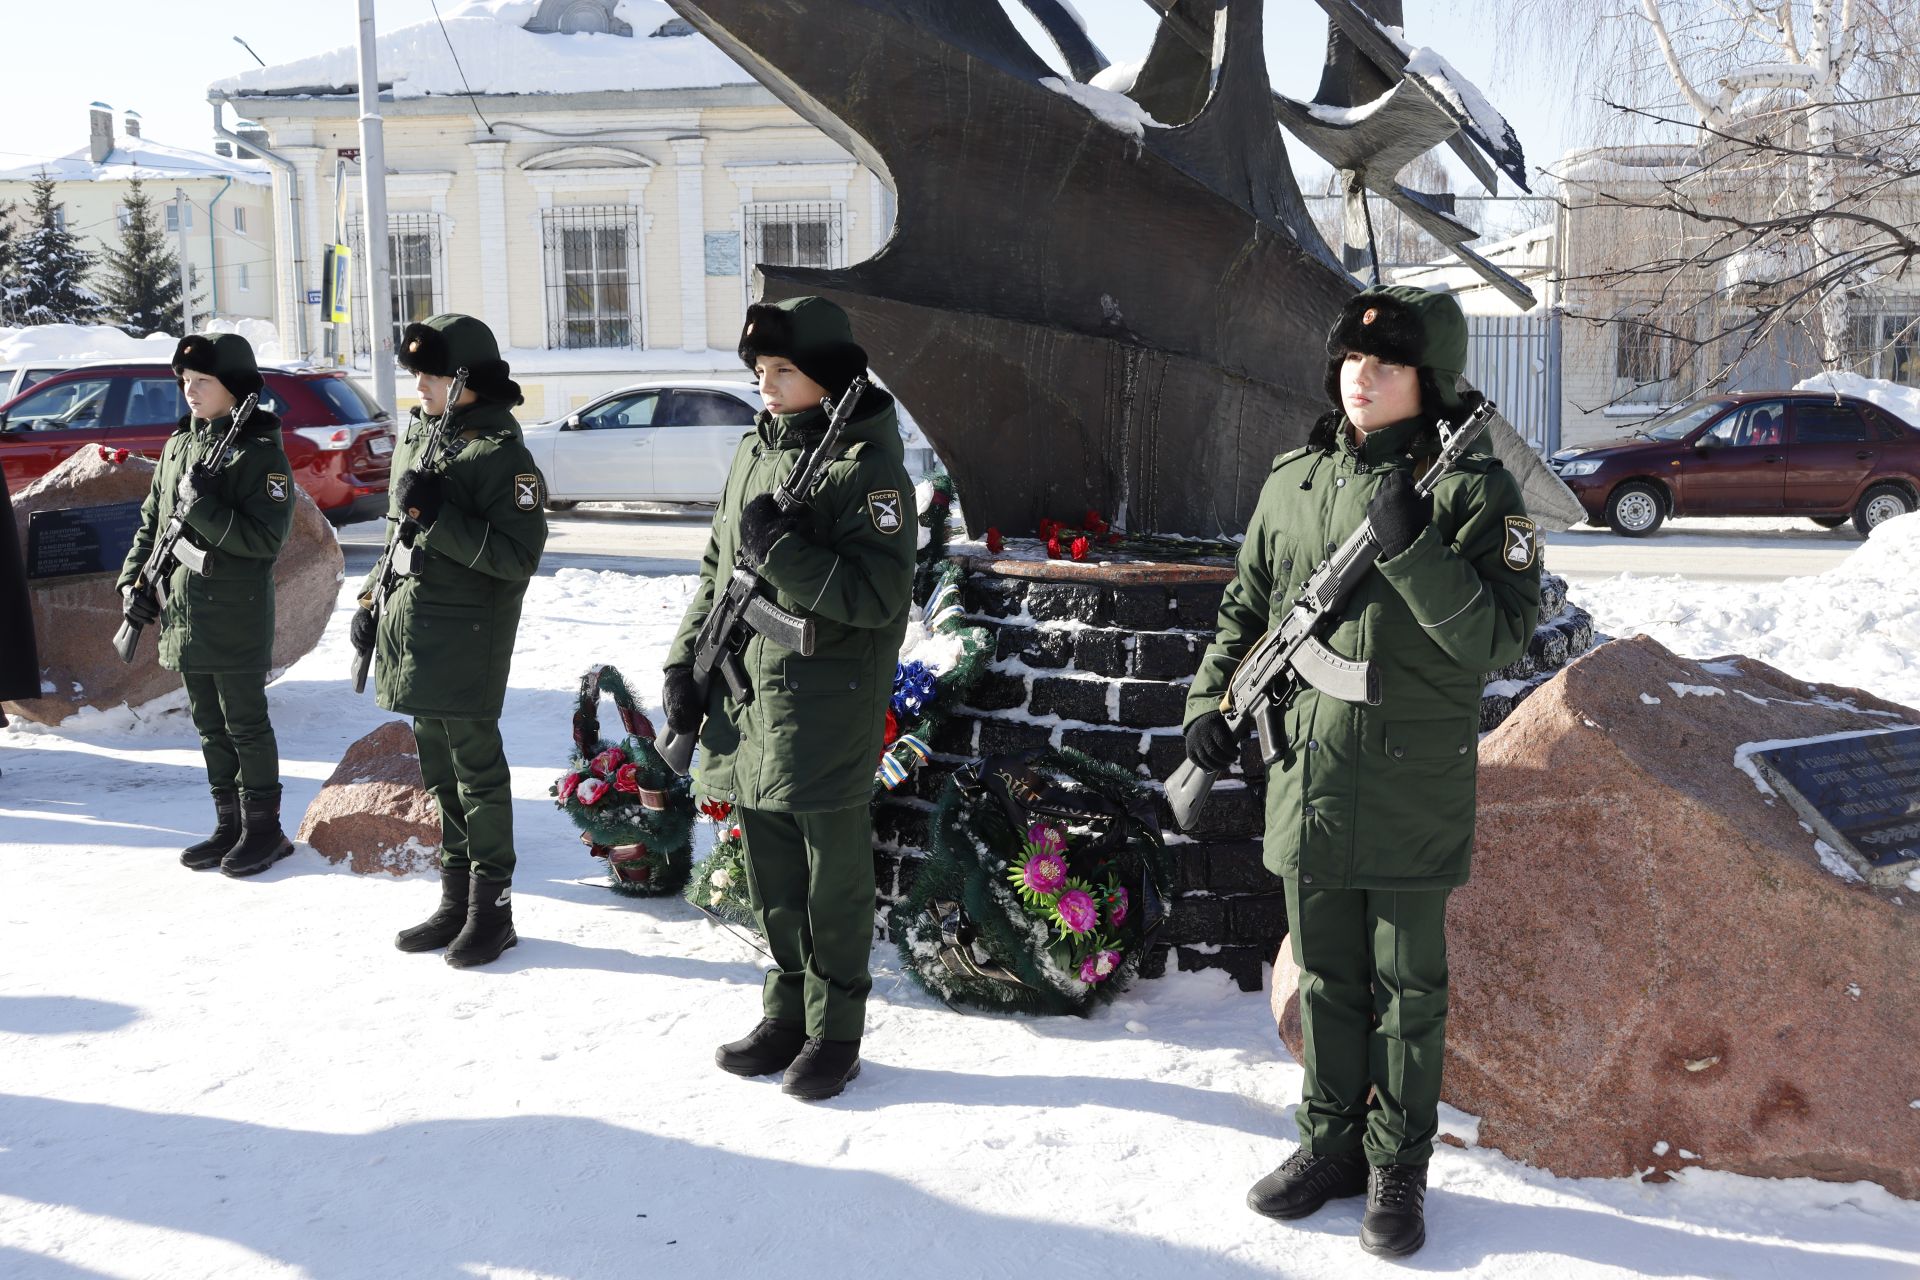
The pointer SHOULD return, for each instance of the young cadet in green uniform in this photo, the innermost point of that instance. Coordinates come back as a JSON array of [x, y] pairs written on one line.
[[798, 761], [444, 640], [1370, 810], [217, 629]]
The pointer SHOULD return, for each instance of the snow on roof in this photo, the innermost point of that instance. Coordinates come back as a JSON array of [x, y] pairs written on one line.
[[64, 342], [1901, 402], [500, 57], [141, 158]]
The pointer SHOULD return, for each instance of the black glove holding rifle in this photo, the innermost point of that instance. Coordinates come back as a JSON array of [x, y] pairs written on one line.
[[147, 596], [743, 608], [419, 494]]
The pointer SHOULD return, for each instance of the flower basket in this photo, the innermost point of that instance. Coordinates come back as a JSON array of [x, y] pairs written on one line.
[[631, 808]]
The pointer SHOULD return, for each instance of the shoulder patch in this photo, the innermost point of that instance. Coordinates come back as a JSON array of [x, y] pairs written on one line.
[[526, 491], [1285, 458], [1521, 548], [883, 508], [277, 486]]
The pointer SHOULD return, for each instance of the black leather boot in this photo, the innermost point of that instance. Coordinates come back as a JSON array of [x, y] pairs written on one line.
[[262, 842], [207, 853], [1396, 1220], [823, 1069], [770, 1047], [1306, 1181], [489, 927], [444, 925]]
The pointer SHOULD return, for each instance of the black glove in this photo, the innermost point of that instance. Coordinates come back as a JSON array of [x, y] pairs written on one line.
[[139, 607], [361, 630], [1211, 744], [421, 497], [196, 483], [762, 524], [1398, 514], [681, 700]]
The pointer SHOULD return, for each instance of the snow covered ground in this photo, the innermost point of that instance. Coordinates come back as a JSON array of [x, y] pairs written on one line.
[[202, 1077]]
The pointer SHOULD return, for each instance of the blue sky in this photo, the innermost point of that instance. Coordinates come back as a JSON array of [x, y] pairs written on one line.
[[158, 58]]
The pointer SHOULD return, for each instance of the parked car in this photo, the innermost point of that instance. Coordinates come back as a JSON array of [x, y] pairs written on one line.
[[1830, 458], [664, 441], [338, 440], [15, 378]]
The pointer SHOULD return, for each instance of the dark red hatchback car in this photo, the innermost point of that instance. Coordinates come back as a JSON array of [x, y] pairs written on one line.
[[339, 441], [1830, 458]]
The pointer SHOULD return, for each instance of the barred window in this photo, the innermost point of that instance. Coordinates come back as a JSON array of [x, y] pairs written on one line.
[[1886, 345], [593, 276], [417, 267], [796, 234], [1642, 360]]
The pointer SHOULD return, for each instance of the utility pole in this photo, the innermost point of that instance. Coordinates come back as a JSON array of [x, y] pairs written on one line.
[[180, 210], [373, 201]]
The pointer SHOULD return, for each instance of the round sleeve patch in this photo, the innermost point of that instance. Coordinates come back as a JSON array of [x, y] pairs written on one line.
[[526, 491]]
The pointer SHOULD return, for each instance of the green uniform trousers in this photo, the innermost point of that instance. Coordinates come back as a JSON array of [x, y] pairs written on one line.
[[465, 767], [1373, 1016], [236, 737], [810, 881]]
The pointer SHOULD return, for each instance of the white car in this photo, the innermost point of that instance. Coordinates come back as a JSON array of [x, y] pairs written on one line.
[[665, 441]]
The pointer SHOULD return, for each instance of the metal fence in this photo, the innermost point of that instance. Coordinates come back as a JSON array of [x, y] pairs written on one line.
[[1515, 362]]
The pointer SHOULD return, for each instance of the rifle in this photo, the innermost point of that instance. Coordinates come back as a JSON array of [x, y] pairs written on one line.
[[171, 547], [1292, 654], [400, 559], [743, 609]]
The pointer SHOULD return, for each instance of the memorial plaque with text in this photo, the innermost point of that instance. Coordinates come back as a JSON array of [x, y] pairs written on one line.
[[1861, 795], [77, 540]]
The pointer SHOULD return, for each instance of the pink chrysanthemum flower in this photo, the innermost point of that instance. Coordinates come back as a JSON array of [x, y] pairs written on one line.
[[1118, 905], [608, 762], [1043, 874], [1099, 966], [1077, 911], [590, 790], [1045, 838], [567, 784]]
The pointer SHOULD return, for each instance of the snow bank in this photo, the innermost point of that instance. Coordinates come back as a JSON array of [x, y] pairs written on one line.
[[500, 57], [1902, 402], [79, 342], [1858, 624]]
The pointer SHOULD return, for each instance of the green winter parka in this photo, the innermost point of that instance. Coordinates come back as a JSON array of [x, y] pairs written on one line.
[[445, 640], [1382, 797], [810, 740], [220, 623]]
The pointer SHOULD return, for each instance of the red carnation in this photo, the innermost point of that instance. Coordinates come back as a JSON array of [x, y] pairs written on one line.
[[1048, 528], [1079, 548], [718, 810], [734, 834], [1053, 546], [567, 784], [1094, 524], [995, 543], [627, 779]]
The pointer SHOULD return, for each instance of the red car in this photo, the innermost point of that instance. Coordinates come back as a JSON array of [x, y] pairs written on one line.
[[1830, 458], [338, 440]]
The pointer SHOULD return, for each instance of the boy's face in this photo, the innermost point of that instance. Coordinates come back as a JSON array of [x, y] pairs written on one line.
[[1377, 393], [206, 397], [433, 389], [784, 388]]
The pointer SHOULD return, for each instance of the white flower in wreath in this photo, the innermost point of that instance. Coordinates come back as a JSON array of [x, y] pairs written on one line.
[[722, 879]]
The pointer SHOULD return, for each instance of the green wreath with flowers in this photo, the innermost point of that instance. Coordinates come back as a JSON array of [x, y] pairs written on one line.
[[631, 807]]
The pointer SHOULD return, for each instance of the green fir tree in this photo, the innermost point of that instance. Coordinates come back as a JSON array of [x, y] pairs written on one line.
[[140, 288], [50, 268]]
